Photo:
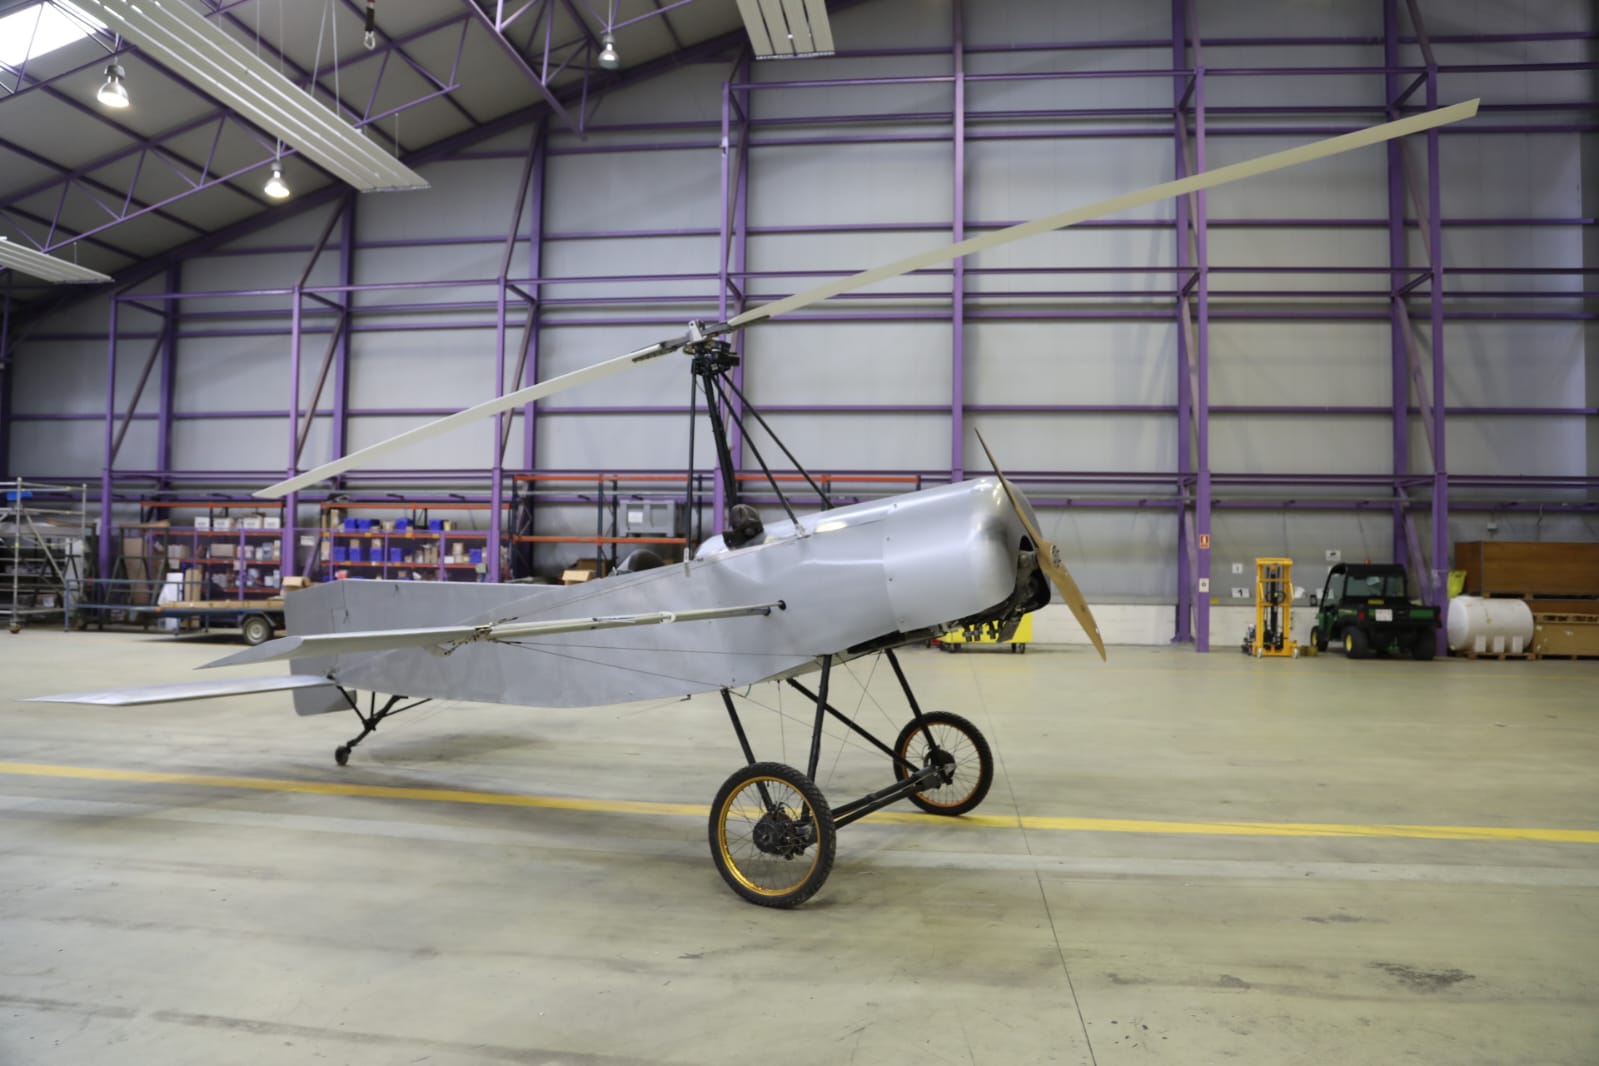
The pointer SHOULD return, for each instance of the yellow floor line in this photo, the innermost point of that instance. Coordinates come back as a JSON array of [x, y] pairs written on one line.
[[572, 803]]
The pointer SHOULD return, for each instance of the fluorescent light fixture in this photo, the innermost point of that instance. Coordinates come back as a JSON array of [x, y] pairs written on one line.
[[46, 267], [608, 57], [276, 187], [40, 29], [787, 29], [203, 54], [114, 93]]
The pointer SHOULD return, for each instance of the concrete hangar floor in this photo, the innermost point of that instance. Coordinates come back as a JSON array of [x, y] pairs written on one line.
[[1184, 859]]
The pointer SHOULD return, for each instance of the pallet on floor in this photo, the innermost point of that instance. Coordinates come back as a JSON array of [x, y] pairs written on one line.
[[1500, 655]]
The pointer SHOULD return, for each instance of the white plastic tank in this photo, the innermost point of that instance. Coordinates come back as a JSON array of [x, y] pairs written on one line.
[[1489, 626]]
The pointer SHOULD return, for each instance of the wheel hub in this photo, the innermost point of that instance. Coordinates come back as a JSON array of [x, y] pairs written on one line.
[[778, 834], [943, 761]]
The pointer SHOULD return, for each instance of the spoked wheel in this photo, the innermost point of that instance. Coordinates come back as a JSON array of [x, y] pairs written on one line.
[[961, 753], [772, 835]]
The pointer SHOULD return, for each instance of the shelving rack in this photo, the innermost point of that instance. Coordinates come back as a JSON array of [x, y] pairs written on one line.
[[247, 562], [608, 492], [43, 532], [1421, 299], [417, 554]]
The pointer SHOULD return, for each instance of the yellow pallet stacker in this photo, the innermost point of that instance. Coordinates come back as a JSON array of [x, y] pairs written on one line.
[[1018, 642], [1272, 635]]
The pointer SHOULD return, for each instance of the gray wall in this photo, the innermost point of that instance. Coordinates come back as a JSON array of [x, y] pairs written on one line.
[[445, 361]]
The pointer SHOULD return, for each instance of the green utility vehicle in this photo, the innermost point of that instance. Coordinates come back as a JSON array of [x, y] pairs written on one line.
[[1366, 607]]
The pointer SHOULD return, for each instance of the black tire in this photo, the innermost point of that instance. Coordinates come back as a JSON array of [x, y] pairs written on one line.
[[1424, 647], [1355, 643], [341, 755], [1318, 639], [256, 629], [956, 741], [772, 835]]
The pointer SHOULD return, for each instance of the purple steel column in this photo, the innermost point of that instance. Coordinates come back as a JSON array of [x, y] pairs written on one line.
[[957, 286], [741, 243], [1202, 400], [497, 470], [286, 565], [169, 377], [535, 256], [502, 434], [734, 234], [724, 250], [1186, 583], [1438, 586], [1399, 261], [341, 365], [5, 376], [104, 570]]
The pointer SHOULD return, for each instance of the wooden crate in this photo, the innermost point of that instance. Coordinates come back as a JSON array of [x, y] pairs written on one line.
[[1556, 635], [1528, 568]]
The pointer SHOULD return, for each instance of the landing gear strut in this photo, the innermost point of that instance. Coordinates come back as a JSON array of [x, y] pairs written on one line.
[[772, 832], [369, 721]]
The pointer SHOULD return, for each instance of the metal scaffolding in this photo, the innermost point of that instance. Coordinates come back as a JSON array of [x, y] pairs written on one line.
[[1412, 297]]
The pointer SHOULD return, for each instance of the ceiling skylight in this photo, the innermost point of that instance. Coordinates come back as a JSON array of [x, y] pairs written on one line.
[[40, 29]]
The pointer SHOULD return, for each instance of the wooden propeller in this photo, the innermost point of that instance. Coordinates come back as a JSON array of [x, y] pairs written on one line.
[[1049, 558]]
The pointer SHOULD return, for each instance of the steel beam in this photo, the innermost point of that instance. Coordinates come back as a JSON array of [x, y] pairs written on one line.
[[516, 57], [535, 252], [1187, 545], [957, 283], [142, 146]]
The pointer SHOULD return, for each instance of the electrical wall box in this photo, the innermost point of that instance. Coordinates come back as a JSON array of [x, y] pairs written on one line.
[[1204, 584], [1334, 555], [1240, 594], [1238, 568], [649, 518]]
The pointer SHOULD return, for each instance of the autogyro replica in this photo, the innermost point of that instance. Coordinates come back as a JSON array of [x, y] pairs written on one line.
[[766, 603]]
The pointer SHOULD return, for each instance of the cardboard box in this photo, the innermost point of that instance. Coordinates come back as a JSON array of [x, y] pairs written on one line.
[[202, 521], [222, 523], [250, 522], [576, 577], [271, 522], [296, 582], [223, 550]]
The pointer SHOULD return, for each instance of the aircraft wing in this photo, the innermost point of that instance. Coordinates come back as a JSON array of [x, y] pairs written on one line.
[[445, 639], [194, 690]]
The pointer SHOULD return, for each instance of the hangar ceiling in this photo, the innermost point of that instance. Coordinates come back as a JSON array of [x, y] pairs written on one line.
[[110, 188]]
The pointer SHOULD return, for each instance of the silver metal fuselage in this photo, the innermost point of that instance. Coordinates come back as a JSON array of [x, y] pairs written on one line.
[[854, 579]]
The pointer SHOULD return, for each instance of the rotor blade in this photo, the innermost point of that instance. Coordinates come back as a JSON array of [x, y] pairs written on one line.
[[1209, 179], [1049, 559], [471, 414], [443, 636]]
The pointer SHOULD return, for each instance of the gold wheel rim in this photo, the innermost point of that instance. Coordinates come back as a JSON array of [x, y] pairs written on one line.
[[731, 863], [927, 795]]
